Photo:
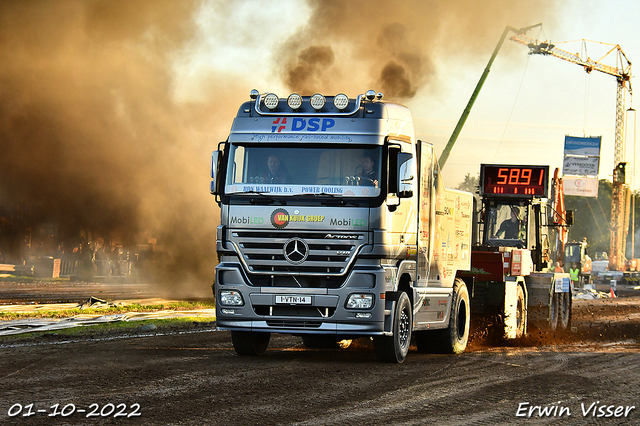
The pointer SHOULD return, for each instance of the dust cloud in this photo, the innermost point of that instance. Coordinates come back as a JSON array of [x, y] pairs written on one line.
[[92, 139], [395, 47]]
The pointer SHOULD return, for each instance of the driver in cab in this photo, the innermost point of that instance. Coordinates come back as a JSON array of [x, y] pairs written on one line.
[[276, 172], [368, 176], [510, 227]]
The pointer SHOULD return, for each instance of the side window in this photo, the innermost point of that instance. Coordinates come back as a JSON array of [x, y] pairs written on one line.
[[236, 167], [392, 179]]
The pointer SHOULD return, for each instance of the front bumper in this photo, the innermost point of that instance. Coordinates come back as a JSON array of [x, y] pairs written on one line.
[[323, 311]]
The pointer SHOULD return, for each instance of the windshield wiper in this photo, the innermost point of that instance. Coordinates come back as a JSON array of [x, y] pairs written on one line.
[[333, 201], [269, 199]]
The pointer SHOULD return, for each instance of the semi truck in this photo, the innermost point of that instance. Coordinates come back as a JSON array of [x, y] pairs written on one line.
[[335, 224]]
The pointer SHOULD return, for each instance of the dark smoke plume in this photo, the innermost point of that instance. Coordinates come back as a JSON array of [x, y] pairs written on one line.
[[393, 47], [394, 79], [309, 65]]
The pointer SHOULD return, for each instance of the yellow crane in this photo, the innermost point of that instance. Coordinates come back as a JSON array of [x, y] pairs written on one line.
[[622, 72]]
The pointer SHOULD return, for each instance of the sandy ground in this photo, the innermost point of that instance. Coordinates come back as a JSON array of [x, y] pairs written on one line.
[[190, 375]]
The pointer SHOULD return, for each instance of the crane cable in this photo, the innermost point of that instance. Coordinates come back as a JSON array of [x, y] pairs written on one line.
[[526, 65], [587, 92]]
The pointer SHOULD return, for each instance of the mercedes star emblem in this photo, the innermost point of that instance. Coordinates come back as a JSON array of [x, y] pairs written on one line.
[[296, 250]]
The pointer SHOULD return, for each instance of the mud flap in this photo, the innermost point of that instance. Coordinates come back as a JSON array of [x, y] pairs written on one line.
[[389, 307]]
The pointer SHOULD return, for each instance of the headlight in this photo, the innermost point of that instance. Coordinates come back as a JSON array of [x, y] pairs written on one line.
[[317, 101], [271, 101], [341, 101], [231, 298], [360, 301], [294, 101]]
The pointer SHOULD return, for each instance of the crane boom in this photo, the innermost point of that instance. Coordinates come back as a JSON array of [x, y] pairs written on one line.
[[465, 113], [620, 190], [622, 73]]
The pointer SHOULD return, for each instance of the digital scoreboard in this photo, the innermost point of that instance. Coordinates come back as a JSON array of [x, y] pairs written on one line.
[[514, 181]]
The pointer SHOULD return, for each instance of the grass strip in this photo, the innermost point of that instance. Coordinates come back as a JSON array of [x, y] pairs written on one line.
[[108, 310]]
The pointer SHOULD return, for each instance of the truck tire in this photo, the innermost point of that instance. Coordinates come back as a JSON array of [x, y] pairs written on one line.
[[554, 311], [458, 331], [250, 343], [564, 314], [453, 339], [325, 341], [521, 314], [394, 348]]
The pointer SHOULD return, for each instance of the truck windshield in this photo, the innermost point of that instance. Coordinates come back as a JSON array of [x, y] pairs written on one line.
[[296, 170], [506, 222], [572, 253]]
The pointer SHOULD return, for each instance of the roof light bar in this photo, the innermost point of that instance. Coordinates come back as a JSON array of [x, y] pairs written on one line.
[[267, 104]]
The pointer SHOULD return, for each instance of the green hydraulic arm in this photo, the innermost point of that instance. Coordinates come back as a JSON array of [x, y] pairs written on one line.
[[474, 95]]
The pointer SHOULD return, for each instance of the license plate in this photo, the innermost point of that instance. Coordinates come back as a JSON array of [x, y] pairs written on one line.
[[293, 300]]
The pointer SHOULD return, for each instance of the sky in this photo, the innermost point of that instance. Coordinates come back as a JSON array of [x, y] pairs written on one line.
[[526, 107]]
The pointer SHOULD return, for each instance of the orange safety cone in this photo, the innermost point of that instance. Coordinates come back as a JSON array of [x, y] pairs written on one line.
[[613, 294]]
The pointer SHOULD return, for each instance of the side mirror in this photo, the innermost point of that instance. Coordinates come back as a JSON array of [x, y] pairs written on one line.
[[405, 175], [215, 158], [569, 217]]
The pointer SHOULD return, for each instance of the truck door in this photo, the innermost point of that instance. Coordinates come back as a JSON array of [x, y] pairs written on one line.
[[425, 207]]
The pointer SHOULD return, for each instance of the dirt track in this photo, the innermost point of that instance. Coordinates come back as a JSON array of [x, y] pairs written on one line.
[[191, 376]]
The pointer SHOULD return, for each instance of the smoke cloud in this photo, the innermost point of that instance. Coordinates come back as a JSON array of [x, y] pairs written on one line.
[[394, 47]]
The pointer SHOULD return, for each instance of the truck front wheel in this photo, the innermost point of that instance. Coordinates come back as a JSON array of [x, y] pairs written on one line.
[[250, 343], [395, 348]]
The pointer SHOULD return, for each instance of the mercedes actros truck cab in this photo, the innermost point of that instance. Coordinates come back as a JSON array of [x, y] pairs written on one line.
[[335, 224]]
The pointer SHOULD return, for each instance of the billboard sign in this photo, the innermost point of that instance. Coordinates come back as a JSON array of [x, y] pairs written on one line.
[[590, 146], [581, 186], [580, 166]]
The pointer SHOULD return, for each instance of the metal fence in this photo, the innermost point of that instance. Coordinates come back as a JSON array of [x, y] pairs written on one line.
[[95, 268]]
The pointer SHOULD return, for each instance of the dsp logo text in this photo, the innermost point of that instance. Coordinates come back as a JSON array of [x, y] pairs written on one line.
[[302, 124]]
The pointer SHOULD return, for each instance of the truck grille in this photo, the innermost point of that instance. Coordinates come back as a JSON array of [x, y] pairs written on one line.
[[294, 323], [293, 311], [297, 253]]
